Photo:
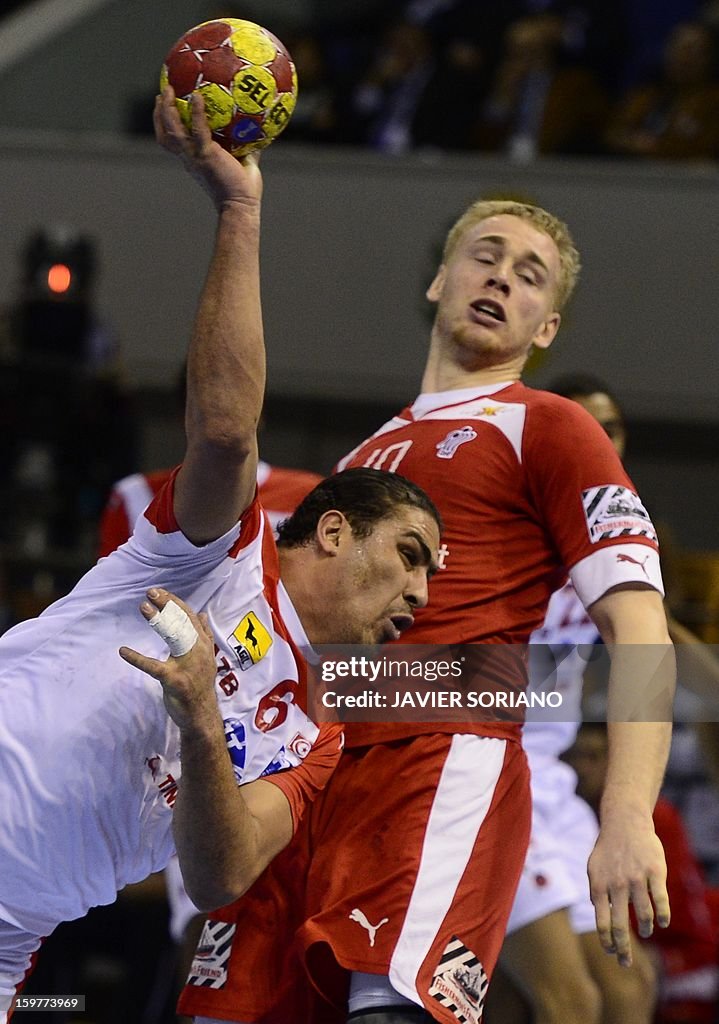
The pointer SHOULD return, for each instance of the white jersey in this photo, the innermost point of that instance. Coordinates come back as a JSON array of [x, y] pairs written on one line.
[[89, 759], [557, 663]]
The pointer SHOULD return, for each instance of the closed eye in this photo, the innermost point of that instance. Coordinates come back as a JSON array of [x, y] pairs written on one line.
[[410, 555]]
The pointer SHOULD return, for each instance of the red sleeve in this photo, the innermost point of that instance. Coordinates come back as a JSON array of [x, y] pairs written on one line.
[[114, 525], [302, 784], [284, 489], [588, 503]]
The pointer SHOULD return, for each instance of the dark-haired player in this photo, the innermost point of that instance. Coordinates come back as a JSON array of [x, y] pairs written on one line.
[[89, 756]]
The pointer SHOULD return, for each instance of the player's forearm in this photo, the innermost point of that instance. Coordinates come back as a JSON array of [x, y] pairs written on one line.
[[638, 754], [226, 360], [641, 695], [215, 834]]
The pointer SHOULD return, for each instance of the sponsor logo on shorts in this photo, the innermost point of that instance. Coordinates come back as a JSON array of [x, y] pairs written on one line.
[[460, 983], [212, 956], [447, 448], [250, 641], [372, 929], [614, 511]]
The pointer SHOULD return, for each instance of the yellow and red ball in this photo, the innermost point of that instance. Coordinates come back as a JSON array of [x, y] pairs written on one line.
[[245, 75]]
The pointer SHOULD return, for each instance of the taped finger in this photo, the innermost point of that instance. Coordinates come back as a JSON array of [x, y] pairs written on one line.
[[174, 626]]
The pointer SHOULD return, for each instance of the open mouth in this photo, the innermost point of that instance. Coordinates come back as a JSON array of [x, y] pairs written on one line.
[[399, 623], [489, 308]]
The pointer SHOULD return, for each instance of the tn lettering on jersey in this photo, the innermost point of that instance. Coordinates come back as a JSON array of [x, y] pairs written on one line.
[[250, 641], [613, 511]]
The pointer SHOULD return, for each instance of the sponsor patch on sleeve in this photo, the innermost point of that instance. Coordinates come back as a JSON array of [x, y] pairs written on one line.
[[211, 961], [614, 511]]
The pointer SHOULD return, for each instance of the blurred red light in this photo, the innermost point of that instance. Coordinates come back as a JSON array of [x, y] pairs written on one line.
[[59, 278]]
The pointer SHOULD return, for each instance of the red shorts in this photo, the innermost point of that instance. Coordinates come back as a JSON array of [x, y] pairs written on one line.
[[406, 865]]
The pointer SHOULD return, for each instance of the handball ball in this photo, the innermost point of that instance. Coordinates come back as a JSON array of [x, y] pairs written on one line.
[[245, 75]]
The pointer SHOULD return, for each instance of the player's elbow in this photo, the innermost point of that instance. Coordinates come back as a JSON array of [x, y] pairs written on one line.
[[214, 895]]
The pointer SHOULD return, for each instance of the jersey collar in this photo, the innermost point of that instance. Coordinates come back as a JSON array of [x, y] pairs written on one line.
[[429, 401]]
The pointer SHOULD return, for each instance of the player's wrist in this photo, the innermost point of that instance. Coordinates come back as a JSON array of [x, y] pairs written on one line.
[[623, 802]]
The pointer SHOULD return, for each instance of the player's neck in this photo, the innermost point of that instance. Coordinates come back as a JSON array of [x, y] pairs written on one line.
[[443, 374], [299, 582]]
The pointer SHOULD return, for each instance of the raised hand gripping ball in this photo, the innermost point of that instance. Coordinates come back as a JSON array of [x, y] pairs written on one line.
[[245, 75]]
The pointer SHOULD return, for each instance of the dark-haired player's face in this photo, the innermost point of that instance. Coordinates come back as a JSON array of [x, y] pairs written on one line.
[[384, 578], [607, 414], [495, 296]]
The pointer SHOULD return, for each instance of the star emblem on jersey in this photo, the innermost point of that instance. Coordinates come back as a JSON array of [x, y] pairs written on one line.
[[250, 641], [447, 448], [460, 983]]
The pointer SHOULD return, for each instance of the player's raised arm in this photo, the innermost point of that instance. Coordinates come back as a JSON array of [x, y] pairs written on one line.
[[226, 359], [627, 865]]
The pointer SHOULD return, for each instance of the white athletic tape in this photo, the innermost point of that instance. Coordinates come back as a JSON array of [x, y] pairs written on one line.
[[174, 626]]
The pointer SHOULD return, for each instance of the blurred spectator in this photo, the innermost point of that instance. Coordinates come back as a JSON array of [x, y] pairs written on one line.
[[539, 103], [383, 105], [594, 32], [649, 25], [689, 786], [315, 115], [687, 950], [675, 116]]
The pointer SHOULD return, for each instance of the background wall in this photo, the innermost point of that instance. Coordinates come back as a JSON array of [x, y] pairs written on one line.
[[350, 242]]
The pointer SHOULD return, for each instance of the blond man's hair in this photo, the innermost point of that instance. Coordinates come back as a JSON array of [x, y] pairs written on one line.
[[557, 230]]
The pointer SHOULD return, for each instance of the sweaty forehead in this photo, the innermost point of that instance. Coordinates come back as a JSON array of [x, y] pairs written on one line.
[[410, 519]]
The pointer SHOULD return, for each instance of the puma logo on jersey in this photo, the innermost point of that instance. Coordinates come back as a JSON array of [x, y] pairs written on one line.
[[447, 448], [372, 929], [250, 641], [635, 561]]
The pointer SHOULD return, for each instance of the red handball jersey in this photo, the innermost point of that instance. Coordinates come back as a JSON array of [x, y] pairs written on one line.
[[529, 488], [280, 492]]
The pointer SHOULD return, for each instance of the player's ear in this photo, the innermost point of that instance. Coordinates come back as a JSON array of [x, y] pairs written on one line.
[[547, 331], [332, 528], [434, 291]]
